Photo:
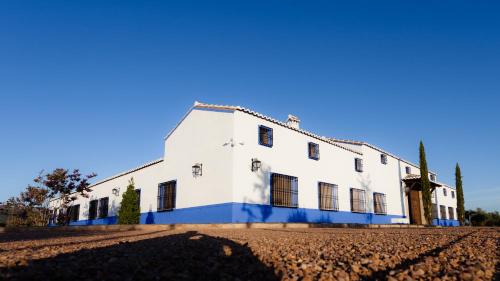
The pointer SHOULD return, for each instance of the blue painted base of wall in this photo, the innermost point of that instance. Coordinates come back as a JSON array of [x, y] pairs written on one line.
[[103, 221], [443, 222], [254, 213]]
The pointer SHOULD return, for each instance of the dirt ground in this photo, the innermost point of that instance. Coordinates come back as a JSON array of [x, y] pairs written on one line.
[[252, 254]]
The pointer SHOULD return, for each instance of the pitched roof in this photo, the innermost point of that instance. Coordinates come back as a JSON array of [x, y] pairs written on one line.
[[417, 177], [270, 119], [332, 141], [378, 149], [151, 163]]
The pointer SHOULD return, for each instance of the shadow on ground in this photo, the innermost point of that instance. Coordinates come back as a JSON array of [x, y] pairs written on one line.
[[186, 256]]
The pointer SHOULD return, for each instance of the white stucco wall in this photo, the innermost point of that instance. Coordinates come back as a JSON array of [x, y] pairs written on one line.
[[448, 200], [146, 179], [289, 156], [383, 178], [225, 142], [202, 137]]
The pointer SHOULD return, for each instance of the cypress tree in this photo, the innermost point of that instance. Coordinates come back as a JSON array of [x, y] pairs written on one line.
[[129, 211], [426, 185], [460, 195]]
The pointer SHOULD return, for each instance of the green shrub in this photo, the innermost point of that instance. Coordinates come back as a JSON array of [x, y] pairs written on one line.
[[129, 211]]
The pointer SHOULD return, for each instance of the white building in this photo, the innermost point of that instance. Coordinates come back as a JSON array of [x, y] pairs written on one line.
[[228, 164]]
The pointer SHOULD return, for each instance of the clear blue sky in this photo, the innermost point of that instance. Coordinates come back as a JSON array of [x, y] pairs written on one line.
[[96, 85]]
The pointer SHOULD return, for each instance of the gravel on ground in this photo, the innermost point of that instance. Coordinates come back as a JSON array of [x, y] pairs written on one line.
[[253, 254]]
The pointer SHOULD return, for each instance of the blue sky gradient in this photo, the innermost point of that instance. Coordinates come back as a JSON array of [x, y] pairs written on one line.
[[96, 85]]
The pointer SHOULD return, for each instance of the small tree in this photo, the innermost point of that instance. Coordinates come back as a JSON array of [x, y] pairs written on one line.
[[460, 195], [129, 210], [426, 186], [61, 183], [16, 213], [35, 200]]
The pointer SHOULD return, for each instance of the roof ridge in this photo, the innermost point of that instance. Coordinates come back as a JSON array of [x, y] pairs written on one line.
[[150, 163], [271, 119]]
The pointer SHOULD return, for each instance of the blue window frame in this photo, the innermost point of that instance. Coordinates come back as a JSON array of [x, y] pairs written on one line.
[[313, 150], [265, 136], [284, 191]]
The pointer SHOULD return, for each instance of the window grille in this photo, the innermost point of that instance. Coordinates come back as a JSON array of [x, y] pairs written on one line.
[[265, 136], [358, 201], [328, 197], [434, 211], [313, 149], [284, 191], [408, 170], [73, 212], [93, 209], [379, 203], [383, 158], [443, 212], [103, 207], [138, 194], [166, 196], [451, 213], [358, 164]]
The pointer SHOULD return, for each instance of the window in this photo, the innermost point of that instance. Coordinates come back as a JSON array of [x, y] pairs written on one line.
[[284, 191], [358, 164], [445, 193], [138, 194], [265, 136], [408, 170], [443, 211], [328, 197], [52, 217], [450, 213], [74, 212], [93, 209], [313, 150], [383, 159], [379, 203], [357, 200], [103, 207], [452, 194], [166, 195], [433, 177], [434, 211]]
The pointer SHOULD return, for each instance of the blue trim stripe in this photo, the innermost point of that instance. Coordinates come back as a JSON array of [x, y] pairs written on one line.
[[253, 213], [443, 222], [249, 213], [103, 221]]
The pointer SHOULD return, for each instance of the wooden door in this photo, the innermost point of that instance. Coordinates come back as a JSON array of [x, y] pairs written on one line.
[[415, 212]]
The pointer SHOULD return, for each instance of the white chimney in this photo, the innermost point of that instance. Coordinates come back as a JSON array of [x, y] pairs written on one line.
[[293, 121]]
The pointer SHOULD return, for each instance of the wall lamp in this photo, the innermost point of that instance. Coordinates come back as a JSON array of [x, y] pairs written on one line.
[[256, 164], [197, 170], [116, 191]]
